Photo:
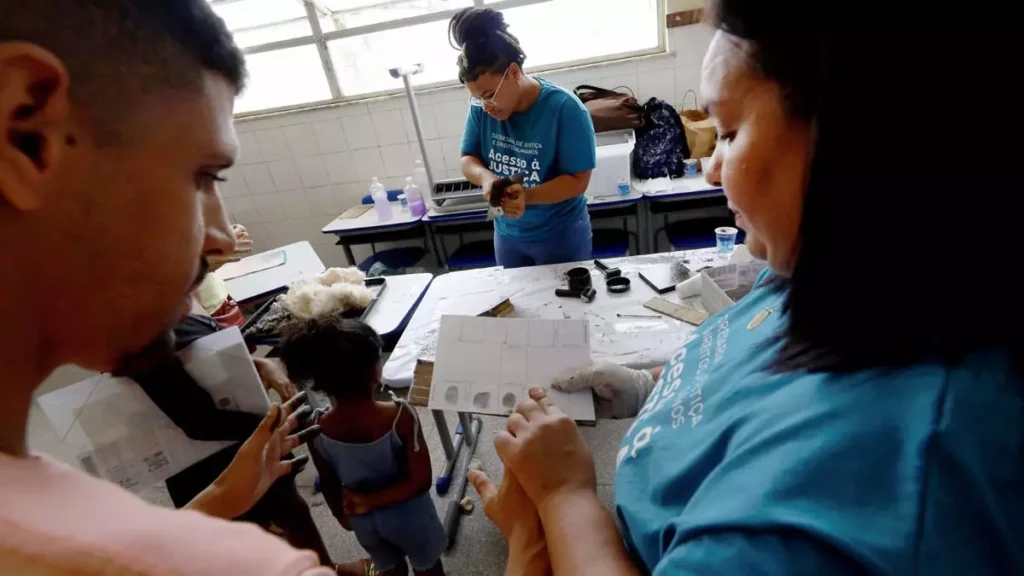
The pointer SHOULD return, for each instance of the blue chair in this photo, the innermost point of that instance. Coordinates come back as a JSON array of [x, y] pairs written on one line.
[[473, 255], [395, 258], [610, 242]]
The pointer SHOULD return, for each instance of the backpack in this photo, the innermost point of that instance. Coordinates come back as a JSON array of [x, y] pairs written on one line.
[[660, 143]]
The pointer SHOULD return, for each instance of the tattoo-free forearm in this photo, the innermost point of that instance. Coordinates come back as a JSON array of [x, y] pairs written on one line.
[[559, 189], [528, 554], [581, 537], [474, 170], [213, 501]]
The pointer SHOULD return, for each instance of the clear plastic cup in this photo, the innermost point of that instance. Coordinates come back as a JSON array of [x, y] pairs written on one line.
[[725, 239]]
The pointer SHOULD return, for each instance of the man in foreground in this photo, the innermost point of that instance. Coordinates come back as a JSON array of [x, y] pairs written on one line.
[[115, 124]]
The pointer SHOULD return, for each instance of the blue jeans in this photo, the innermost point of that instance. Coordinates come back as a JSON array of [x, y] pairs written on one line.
[[573, 244]]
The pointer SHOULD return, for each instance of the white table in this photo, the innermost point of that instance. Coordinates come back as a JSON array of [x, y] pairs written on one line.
[[369, 228], [635, 342], [301, 262], [397, 302]]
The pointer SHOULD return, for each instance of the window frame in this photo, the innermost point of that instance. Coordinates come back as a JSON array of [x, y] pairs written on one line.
[[320, 39]]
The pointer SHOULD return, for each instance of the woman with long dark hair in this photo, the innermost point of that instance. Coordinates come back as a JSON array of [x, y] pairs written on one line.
[[525, 125], [861, 411]]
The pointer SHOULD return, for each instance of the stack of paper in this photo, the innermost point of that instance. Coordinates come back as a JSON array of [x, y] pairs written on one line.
[[487, 365], [117, 433]]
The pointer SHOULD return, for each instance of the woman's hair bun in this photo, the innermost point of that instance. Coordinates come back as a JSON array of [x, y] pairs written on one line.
[[475, 25]]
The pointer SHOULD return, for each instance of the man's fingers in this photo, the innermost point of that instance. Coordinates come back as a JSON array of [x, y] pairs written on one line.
[[517, 424], [540, 396], [295, 401], [483, 486], [290, 466], [530, 409], [268, 424], [308, 434], [503, 444]]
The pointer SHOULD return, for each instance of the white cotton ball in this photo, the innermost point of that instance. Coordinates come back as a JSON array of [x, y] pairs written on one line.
[[313, 300], [333, 276]]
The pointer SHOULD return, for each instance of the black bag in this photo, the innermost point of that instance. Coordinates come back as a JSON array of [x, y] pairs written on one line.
[[660, 143]]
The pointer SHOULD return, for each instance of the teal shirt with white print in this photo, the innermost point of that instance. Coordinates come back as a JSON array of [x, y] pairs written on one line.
[[733, 469], [555, 137]]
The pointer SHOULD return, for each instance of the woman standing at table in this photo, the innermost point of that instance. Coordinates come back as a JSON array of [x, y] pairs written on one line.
[[520, 124]]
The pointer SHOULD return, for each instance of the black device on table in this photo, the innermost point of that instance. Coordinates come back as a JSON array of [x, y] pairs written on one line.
[[663, 278]]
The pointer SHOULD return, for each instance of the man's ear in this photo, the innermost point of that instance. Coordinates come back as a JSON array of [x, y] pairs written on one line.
[[34, 112]]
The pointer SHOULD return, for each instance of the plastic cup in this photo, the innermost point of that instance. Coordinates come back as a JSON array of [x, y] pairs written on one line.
[[725, 239]]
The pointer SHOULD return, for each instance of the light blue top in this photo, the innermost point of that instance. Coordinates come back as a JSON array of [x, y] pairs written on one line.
[[731, 469], [553, 138], [369, 466]]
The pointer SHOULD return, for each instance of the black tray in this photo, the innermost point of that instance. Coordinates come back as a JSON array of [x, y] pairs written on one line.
[[376, 286]]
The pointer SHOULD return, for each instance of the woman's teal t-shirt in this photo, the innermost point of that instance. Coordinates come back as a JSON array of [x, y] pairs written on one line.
[[553, 138], [731, 469]]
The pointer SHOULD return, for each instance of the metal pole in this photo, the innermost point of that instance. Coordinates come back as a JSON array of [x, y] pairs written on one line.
[[414, 108], [442, 431]]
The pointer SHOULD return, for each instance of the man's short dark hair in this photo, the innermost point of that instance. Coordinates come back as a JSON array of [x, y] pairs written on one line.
[[118, 49]]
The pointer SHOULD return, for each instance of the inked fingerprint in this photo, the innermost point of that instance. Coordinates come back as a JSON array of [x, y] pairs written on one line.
[[451, 395], [508, 400], [482, 400]]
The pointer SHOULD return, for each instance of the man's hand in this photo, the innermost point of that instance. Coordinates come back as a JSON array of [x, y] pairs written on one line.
[[545, 451], [515, 515], [258, 462], [619, 392], [274, 378]]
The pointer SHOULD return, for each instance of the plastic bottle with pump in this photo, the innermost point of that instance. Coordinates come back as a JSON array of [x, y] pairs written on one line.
[[412, 192], [380, 200], [419, 177]]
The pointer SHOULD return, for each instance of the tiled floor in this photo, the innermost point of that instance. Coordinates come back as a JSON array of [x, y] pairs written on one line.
[[479, 548]]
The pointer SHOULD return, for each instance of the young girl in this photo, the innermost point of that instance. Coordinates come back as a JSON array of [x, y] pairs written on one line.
[[373, 462]]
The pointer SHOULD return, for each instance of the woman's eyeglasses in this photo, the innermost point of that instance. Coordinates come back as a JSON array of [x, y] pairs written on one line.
[[477, 101]]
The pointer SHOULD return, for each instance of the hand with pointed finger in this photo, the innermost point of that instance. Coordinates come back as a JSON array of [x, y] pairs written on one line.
[[619, 392], [258, 462], [544, 449]]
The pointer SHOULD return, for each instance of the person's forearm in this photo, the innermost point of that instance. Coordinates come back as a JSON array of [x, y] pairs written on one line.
[[400, 492], [528, 554], [581, 537], [474, 170], [213, 502], [559, 189]]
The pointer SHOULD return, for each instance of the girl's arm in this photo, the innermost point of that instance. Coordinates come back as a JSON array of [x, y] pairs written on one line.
[[420, 476]]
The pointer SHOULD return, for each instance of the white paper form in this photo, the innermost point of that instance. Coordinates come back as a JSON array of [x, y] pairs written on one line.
[[487, 365], [117, 433]]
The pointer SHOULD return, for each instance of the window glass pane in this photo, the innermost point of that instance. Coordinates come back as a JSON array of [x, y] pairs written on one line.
[[255, 22], [568, 30], [362, 62], [354, 13], [283, 78]]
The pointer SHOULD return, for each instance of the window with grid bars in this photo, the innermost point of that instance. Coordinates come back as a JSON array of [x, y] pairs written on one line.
[[307, 52]]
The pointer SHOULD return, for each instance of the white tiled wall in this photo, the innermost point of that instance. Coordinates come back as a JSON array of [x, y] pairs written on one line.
[[299, 170]]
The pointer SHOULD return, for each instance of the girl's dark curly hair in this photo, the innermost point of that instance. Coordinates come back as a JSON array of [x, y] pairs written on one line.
[[338, 356]]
